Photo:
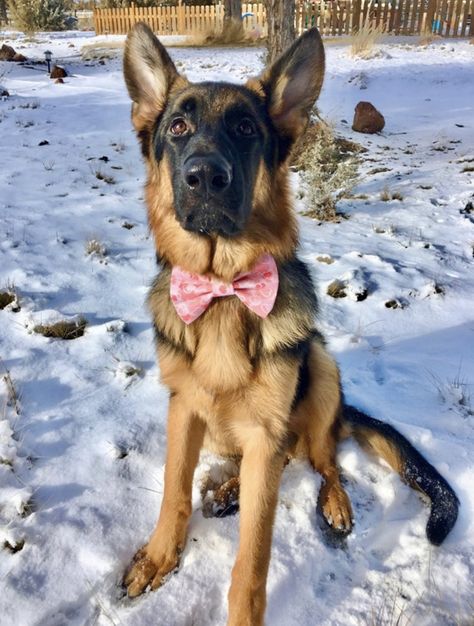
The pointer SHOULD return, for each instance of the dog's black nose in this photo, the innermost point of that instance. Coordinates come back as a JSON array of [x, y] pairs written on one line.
[[207, 175]]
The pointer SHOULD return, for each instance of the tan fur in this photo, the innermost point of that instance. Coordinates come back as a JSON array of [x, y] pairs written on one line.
[[246, 411], [232, 376], [380, 446], [317, 419]]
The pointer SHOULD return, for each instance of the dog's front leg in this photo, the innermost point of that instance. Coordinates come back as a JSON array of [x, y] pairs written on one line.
[[160, 556], [260, 472]]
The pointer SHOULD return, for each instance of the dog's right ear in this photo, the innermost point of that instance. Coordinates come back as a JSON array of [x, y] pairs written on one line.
[[149, 74]]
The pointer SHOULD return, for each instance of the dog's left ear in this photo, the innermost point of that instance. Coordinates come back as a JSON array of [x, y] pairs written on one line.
[[292, 84]]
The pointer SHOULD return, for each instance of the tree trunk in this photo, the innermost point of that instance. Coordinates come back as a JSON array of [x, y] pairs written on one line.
[[3, 11], [233, 28], [232, 9], [281, 27]]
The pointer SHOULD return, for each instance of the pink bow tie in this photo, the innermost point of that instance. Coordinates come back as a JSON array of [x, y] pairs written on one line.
[[191, 294]]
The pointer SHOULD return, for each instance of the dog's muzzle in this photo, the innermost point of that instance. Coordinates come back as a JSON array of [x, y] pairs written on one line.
[[210, 203]]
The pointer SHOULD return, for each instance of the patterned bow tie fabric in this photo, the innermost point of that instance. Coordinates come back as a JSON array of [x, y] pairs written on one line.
[[191, 294]]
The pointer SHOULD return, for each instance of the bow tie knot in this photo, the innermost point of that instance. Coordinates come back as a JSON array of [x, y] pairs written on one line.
[[191, 294], [221, 289]]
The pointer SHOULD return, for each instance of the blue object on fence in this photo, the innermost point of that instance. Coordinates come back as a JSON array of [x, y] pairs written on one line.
[[247, 15], [436, 26]]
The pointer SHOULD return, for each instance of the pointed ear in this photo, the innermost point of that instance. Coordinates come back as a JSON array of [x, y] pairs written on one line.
[[292, 84], [149, 74]]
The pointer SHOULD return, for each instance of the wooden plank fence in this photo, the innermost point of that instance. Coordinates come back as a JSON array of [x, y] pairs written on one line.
[[449, 18]]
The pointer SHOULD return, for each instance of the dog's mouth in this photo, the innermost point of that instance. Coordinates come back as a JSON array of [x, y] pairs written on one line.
[[211, 222]]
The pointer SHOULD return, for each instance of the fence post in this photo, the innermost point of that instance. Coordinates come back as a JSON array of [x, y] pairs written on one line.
[[97, 22], [181, 26], [430, 13], [356, 12]]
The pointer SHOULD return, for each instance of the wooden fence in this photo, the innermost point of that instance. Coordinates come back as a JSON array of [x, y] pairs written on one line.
[[449, 18]]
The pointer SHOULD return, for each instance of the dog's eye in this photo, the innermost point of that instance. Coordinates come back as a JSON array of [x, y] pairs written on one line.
[[178, 127], [246, 128]]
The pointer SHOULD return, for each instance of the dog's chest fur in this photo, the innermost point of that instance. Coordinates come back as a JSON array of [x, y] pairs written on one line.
[[223, 348]]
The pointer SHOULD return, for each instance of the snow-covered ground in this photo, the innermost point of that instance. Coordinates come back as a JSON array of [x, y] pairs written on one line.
[[81, 466]]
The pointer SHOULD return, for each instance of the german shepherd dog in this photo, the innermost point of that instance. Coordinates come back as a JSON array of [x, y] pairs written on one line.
[[234, 310]]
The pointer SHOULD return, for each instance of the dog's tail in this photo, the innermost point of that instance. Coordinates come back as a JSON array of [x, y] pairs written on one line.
[[383, 440]]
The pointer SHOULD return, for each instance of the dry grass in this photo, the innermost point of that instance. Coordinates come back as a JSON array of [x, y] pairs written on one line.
[[13, 397], [328, 166], [337, 289], [455, 393], [427, 37], [364, 40], [6, 298], [85, 23], [387, 195], [49, 165], [378, 170], [233, 34], [96, 248], [101, 50], [15, 547], [28, 508], [327, 260], [63, 329]]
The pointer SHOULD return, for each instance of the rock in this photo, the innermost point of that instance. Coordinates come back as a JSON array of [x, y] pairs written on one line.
[[367, 119], [59, 81], [45, 142], [7, 53], [4, 93], [58, 72]]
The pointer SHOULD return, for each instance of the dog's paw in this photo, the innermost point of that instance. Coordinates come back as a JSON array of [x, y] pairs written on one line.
[[226, 498], [148, 571], [336, 508], [223, 500]]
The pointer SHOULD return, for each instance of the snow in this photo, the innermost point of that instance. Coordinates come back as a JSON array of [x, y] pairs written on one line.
[[81, 466]]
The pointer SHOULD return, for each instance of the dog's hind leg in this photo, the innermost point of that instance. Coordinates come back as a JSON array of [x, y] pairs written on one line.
[[321, 414], [161, 554]]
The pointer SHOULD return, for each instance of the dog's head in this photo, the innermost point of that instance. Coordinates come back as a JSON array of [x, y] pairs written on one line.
[[218, 146]]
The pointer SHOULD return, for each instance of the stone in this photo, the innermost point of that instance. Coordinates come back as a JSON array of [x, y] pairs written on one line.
[[19, 58], [7, 53], [58, 72], [367, 119], [59, 81]]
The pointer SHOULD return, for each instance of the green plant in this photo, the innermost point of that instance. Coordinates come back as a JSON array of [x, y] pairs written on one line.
[[32, 16]]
